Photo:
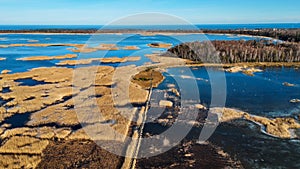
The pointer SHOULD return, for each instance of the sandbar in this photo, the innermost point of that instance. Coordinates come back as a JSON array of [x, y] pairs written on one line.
[[103, 60], [38, 58], [159, 45], [277, 127]]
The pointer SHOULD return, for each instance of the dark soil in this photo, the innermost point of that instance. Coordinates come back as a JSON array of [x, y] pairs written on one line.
[[202, 156], [78, 154]]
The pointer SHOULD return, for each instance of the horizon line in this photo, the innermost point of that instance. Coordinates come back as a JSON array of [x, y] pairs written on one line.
[[249, 23]]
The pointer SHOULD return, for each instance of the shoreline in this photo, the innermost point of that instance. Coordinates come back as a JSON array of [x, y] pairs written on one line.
[[269, 126], [247, 64], [172, 62], [283, 34], [141, 33]]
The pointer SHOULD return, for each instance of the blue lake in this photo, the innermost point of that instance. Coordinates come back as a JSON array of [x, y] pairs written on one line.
[[13, 53], [262, 94]]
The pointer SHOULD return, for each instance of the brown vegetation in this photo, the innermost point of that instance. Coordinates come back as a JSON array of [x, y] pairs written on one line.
[[159, 45], [85, 49], [23, 145], [103, 60], [19, 161], [279, 127], [131, 48], [188, 154], [53, 107], [148, 78], [36, 58], [79, 154], [5, 71], [45, 45]]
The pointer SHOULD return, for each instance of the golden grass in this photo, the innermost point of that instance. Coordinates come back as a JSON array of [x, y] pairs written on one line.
[[79, 134], [131, 48], [137, 94], [5, 71], [62, 133], [244, 69], [85, 49], [32, 98], [19, 131], [42, 99], [91, 95], [37, 58], [45, 45], [4, 114], [279, 127], [159, 45], [54, 114], [19, 161], [147, 78], [38, 132], [103, 60], [24, 144]]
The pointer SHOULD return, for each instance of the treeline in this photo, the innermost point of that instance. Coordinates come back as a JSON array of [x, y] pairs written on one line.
[[87, 31], [290, 35], [236, 51], [50, 31]]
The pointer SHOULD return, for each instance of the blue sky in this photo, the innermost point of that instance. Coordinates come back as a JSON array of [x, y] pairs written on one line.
[[104, 11]]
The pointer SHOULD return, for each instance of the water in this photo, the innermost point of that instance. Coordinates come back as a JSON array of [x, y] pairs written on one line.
[[29, 82], [161, 27], [13, 53], [263, 94], [256, 150]]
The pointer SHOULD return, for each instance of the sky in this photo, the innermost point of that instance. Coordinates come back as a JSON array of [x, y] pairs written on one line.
[[100, 12]]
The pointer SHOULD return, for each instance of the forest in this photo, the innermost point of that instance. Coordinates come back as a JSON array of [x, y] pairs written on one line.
[[236, 51], [290, 35]]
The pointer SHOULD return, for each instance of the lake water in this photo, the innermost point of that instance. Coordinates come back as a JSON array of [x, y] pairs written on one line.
[[263, 94], [13, 53], [161, 27]]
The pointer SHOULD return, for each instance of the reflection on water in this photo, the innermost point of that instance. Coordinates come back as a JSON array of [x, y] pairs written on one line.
[[256, 150], [29, 82], [263, 94], [13, 53]]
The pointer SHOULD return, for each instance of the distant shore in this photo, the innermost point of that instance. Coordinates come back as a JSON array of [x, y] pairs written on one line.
[[135, 32], [291, 34], [248, 64]]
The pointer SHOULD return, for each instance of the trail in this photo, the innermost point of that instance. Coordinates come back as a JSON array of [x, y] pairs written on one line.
[[134, 146]]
